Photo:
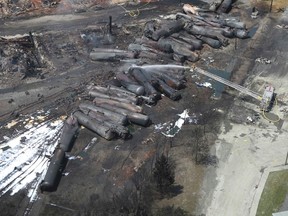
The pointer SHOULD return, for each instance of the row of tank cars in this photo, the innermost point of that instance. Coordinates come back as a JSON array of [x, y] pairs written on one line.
[[110, 108]]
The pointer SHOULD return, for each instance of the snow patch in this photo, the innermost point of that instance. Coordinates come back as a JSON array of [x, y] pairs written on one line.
[[23, 162]]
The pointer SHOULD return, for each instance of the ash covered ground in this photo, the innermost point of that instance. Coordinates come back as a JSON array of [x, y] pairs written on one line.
[[43, 83]]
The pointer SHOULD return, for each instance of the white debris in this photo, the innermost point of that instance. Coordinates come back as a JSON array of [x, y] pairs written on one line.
[[117, 147], [105, 170], [205, 84], [178, 124], [11, 124], [160, 126], [249, 119], [254, 14], [282, 26], [93, 141], [168, 17], [263, 60], [72, 158], [65, 173]]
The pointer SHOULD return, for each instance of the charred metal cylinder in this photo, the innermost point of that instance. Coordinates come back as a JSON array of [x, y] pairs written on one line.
[[137, 47], [93, 125], [130, 84], [241, 33], [125, 77], [136, 118], [110, 89], [147, 42], [68, 133], [169, 80], [110, 54], [234, 24], [211, 42], [168, 91], [54, 171], [122, 131], [165, 29], [207, 32], [197, 44], [124, 90], [116, 117], [113, 82], [98, 94], [130, 107], [172, 45], [141, 78], [225, 7]]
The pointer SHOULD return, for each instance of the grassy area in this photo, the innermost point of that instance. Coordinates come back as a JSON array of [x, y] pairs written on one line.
[[274, 193]]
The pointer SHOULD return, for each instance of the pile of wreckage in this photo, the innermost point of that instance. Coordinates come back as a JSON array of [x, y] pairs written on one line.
[[108, 110], [118, 103], [178, 37]]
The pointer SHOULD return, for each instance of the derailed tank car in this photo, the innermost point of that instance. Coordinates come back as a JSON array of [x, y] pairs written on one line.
[[54, 171]]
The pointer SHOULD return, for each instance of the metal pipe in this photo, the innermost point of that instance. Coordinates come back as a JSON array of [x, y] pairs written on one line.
[[93, 125], [130, 107], [118, 118]]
